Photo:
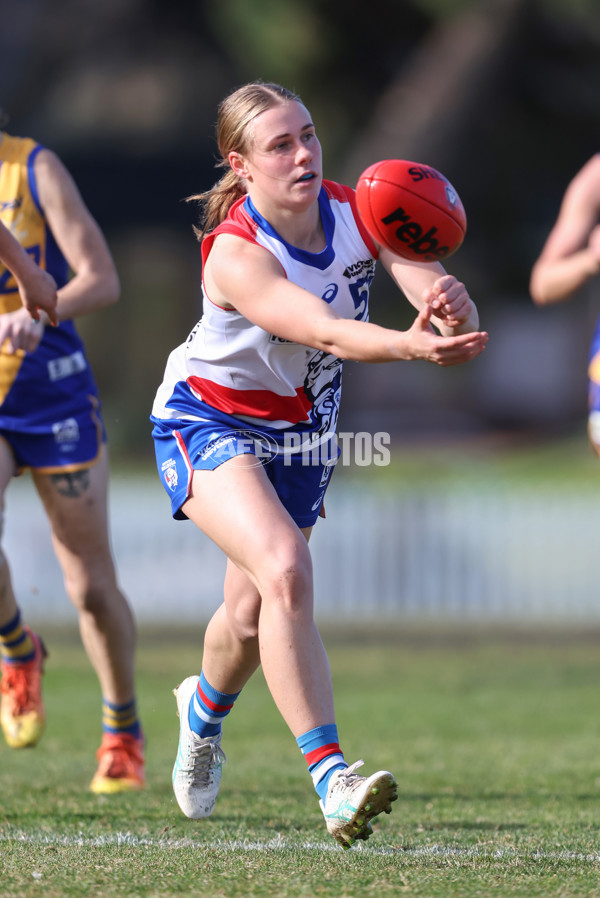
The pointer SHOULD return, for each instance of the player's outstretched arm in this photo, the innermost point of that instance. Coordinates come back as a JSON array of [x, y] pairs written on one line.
[[248, 278], [571, 254], [37, 288]]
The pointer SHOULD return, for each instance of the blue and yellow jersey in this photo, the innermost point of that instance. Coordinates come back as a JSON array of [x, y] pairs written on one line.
[[42, 389]]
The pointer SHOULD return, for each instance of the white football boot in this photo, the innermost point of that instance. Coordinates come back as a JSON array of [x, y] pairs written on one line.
[[353, 801], [197, 769]]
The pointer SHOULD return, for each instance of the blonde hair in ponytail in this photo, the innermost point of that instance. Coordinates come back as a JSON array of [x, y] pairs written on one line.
[[234, 134]]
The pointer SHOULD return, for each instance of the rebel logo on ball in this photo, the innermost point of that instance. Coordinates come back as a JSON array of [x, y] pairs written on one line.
[[422, 242]]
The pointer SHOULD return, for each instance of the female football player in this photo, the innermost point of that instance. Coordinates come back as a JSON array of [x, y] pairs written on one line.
[[251, 397]]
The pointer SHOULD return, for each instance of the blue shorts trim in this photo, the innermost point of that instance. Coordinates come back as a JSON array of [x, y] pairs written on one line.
[[300, 478]]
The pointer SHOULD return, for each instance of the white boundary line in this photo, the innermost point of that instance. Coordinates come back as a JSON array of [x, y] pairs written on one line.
[[129, 840]]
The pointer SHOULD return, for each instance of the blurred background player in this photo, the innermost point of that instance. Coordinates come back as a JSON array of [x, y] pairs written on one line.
[[50, 423], [287, 267], [569, 259]]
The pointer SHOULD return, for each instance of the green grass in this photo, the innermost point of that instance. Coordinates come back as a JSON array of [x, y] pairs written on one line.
[[494, 739]]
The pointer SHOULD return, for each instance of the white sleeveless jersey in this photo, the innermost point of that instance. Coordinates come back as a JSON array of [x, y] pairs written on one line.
[[232, 366]]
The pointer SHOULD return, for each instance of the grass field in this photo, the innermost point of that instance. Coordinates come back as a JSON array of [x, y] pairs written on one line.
[[494, 739], [539, 463]]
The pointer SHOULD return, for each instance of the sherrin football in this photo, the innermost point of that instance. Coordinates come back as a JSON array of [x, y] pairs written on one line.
[[411, 209]]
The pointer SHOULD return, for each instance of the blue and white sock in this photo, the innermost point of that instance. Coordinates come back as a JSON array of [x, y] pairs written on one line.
[[323, 755], [208, 708]]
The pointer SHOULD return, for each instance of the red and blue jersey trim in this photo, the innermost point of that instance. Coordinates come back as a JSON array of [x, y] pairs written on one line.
[[262, 404]]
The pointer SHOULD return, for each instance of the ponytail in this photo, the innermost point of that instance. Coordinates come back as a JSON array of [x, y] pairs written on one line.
[[216, 202]]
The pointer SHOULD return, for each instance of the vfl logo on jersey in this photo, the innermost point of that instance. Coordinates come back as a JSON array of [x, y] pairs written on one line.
[[169, 471], [66, 432]]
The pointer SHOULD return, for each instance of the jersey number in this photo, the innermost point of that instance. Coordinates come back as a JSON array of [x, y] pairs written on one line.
[[7, 281]]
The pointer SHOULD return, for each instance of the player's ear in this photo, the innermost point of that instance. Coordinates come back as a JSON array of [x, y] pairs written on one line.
[[237, 163]]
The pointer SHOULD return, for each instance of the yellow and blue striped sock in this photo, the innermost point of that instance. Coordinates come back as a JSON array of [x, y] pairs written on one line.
[[121, 718], [16, 644]]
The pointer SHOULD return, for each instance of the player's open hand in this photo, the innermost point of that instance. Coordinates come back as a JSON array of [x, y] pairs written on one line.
[[427, 344]]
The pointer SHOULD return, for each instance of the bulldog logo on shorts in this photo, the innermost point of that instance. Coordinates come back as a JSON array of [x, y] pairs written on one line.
[[169, 469]]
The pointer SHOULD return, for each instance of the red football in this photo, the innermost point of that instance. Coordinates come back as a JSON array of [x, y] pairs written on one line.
[[411, 209]]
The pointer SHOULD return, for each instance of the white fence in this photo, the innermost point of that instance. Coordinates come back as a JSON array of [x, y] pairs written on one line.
[[459, 555]]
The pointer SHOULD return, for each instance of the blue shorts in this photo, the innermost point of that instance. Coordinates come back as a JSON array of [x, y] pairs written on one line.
[[300, 478], [68, 445]]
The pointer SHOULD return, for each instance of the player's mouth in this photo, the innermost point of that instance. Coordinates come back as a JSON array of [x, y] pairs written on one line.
[[307, 176]]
